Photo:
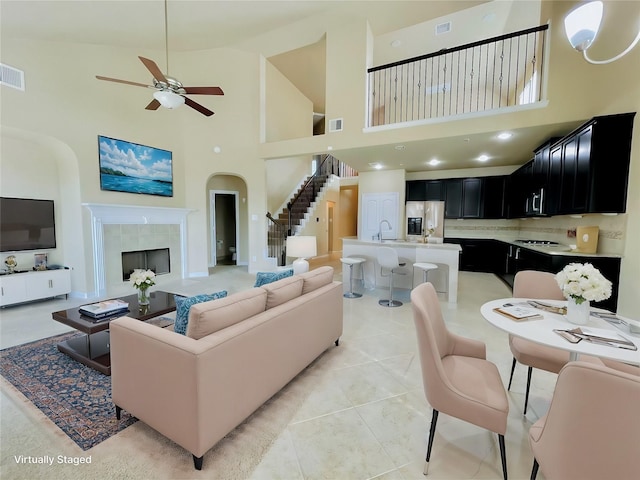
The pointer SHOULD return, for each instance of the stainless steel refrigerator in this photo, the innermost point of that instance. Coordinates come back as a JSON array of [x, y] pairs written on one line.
[[424, 219]]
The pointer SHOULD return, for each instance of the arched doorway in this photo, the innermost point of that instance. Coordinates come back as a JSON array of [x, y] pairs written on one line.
[[228, 220]]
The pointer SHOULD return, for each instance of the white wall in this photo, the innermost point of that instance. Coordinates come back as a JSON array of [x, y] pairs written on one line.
[[283, 177], [289, 114]]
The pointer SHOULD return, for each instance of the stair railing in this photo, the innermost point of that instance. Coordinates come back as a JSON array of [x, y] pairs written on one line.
[[328, 166], [278, 246]]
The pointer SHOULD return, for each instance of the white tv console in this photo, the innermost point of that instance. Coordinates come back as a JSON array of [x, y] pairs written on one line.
[[33, 285]]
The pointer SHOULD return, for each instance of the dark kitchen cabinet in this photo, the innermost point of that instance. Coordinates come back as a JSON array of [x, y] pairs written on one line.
[[493, 198], [589, 168], [519, 188], [434, 190], [415, 191], [542, 163], [471, 197], [463, 198], [529, 259], [540, 197], [554, 182], [424, 190], [480, 254], [453, 198]]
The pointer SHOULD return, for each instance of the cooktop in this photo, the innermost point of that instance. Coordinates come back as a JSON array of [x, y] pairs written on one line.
[[537, 242]]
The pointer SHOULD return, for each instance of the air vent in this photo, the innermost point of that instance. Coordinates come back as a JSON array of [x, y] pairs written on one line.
[[335, 125], [443, 28], [11, 77]]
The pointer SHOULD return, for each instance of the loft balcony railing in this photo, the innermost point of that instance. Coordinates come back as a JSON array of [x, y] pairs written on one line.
[[499, 72]]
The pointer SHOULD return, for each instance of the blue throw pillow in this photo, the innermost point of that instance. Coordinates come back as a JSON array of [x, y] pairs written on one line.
[[262, 278], [183, 304]]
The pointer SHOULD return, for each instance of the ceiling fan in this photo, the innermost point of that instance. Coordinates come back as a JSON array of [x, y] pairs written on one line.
[[170, 93]]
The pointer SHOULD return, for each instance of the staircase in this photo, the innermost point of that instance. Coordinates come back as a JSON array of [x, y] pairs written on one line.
[[291, 220], [303, 199]]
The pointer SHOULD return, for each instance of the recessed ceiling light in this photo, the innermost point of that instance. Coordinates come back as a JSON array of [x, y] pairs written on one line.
[[329, 147], [483, 158], [217, 149], [505, 135], [377, 166], [434, 162], [399, 147], [396, 43]]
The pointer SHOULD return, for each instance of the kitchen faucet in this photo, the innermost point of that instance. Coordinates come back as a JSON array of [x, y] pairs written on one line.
[[380, 229]]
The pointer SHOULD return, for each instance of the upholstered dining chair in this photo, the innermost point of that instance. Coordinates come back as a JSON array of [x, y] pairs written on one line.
[[457, 378], [540, 285], [592, 427], [388, 260]]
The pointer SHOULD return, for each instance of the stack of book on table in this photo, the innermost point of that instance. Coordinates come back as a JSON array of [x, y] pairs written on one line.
[[104, 309]]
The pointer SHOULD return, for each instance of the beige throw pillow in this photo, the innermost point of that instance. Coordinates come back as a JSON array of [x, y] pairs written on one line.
[[316, 278], [208, 317], [283, 290]]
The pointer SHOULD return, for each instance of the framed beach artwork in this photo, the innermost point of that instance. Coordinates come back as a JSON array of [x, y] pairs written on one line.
[[133, 168]]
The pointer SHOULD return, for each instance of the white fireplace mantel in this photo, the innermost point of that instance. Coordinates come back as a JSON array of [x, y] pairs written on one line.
[[102, 214]]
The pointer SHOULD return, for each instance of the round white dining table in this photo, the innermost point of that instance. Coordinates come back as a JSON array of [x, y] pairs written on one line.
[[541, 330]]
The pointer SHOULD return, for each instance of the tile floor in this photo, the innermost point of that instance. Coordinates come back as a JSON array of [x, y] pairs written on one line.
[[357, 412]]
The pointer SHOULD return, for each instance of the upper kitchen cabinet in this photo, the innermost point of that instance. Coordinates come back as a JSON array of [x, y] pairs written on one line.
[[494, 192], [519, 190], [589, 168], [424, 190], [542, 163], [463, 198], [415, 191], [482, 197]]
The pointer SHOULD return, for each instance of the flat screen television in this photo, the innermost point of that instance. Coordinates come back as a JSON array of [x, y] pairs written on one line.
[[26, 224], [134, 168]]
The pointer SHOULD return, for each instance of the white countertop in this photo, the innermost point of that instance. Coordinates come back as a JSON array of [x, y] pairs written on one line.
[[402, 243], [559, 249]]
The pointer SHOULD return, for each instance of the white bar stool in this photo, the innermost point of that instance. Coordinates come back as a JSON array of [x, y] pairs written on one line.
[[351, 261], [425, 267], [388, 259]]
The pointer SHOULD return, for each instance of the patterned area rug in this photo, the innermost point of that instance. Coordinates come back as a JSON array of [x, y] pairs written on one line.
[[74, 397]]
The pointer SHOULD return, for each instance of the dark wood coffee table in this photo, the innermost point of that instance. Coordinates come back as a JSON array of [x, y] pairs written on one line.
[[93, 348]]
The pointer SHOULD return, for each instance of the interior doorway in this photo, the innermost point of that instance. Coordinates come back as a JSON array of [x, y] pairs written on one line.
[[330, 210], [224, 227]]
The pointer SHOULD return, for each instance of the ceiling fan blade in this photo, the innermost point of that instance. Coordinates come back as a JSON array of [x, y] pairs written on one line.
[[153, 68], [198, 107], [204, 90], [127, 82], [153, 105]]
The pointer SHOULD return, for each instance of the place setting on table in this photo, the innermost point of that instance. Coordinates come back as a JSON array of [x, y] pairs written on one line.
[[571, 325]]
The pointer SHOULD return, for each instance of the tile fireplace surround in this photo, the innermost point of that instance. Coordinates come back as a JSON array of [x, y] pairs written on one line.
[[118, 228]]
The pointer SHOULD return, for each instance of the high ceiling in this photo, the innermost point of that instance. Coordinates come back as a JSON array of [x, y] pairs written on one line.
[[205, 24], [196, 24]]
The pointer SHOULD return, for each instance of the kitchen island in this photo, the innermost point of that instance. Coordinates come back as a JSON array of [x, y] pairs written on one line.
[[445, 255]]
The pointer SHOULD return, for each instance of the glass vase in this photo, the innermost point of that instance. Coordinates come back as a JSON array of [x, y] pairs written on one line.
[[578, 313], [143, 296]]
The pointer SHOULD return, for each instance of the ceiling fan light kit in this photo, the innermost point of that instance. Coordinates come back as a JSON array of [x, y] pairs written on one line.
[[581, 26], [170, 93], [168, 99]]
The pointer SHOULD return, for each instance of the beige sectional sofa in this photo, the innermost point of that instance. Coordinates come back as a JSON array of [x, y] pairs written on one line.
[[237, 353]]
